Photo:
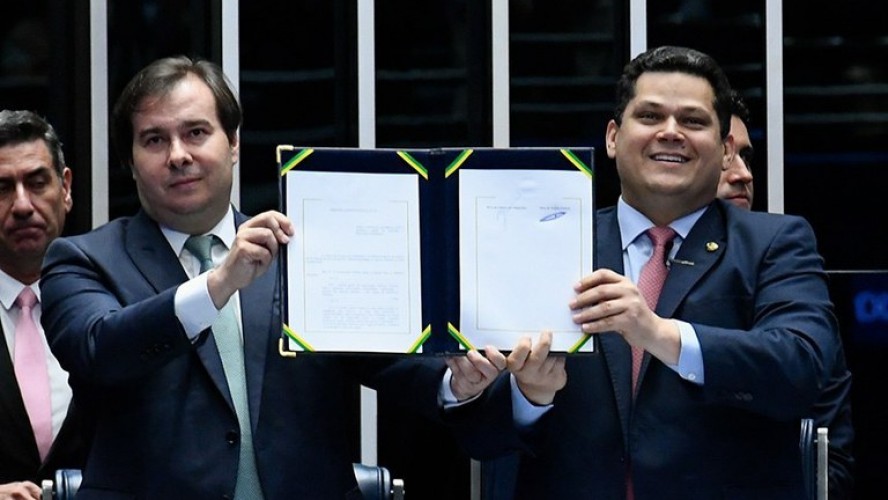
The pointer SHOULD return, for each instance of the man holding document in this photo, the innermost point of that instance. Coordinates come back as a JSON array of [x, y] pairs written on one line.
[[169, 322], [716, 328]]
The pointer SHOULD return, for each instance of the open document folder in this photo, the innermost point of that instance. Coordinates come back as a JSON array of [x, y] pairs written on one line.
[[434, 251]]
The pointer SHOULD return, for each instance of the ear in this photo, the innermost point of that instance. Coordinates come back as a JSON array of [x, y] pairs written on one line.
[[234, 147], [730, 151], [610, 138], [66, 188]]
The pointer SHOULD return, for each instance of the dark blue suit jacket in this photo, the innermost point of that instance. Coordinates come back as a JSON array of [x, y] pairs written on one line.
[[166, 426], [19, 457], [758, 300]]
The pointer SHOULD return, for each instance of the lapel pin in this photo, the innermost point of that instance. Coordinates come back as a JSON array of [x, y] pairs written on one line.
[[711, 246]]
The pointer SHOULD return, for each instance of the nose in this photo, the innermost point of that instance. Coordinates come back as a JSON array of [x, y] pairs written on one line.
[[179, 155], [738, 171], [671, 130], [22, 206]]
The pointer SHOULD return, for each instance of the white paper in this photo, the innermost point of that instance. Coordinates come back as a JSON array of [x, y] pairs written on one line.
[[353, 266], [525, 239]]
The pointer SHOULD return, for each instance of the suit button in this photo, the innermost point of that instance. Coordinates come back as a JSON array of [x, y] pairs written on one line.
[[232, 437], [227, 497]]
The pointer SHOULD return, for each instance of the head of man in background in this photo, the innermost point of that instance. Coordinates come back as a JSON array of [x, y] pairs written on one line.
[[35, 192], [735, 183]]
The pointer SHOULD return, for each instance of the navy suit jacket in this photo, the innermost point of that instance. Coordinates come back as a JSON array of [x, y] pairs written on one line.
[[166, 427], [753, 287], [19, 457]]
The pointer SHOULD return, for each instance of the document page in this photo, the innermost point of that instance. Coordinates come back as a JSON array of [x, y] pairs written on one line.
[[353, 268], [526, 236]]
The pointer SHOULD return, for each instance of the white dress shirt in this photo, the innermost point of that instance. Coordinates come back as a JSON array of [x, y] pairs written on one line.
[[60, 391], [193, 304]]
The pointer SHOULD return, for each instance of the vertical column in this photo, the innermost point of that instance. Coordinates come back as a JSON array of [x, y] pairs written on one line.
[[367, 139], [98, 94], [637, 27], [774, 102], [500, 72], [231, 67]]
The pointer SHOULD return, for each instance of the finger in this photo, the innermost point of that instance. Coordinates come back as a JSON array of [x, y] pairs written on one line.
[[497, 358], [550, 366], [452, 364], [280, 226], [458, 365], [519, 355], [540, 352], [283, 227], [484, 368]]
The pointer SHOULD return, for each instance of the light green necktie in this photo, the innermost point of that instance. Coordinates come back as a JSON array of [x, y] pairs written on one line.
[[226, 331]]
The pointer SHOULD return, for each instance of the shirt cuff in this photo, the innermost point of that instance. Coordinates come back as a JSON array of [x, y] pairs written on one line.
[[446, 398], [194, 307], [524, 412], [690, 357]]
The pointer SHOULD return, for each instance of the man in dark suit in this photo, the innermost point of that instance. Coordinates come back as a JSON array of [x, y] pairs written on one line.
[[35, 196], [734, 352], [137, 313], [833, 407]]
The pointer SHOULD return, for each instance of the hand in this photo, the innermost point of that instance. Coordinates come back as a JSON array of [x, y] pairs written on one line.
[[474, 372], [539, 375], [255, 246], [25, 490], [607, 301]]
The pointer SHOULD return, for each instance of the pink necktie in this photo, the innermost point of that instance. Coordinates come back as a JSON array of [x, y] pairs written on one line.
[[31, 371], [650, 282]]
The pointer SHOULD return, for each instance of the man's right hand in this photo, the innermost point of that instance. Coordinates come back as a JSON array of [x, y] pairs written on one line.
[[257, 243], [539, 375], [474, 372]]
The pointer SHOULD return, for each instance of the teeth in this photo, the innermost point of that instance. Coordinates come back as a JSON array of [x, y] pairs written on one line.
[[675, 158]]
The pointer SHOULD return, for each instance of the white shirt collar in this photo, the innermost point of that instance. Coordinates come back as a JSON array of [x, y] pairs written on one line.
[[633, 223], [224, 230], [10, 288]]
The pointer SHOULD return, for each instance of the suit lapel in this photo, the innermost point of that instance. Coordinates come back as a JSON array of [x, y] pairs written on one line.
[[13, 416], [152, 255], [698, 253], [614, 349]]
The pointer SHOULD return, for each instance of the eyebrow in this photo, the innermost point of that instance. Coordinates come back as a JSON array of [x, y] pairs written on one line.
[[188, 124], [38, 171]]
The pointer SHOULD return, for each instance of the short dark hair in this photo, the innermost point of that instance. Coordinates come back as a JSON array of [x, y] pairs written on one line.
[[20, 126], [667, 59], [158, 79], [739, 107]]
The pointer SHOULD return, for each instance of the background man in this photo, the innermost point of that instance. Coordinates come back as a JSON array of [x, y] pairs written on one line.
[[735, 183], [833, 408], [40, 430]]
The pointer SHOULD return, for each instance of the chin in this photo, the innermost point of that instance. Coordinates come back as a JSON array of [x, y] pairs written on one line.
[[741, 203]]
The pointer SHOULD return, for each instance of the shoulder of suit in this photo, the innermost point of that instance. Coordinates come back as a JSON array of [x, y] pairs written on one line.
[[105, 234]]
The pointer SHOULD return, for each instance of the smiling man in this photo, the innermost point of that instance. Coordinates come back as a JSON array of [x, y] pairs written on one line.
[[716, 331]]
